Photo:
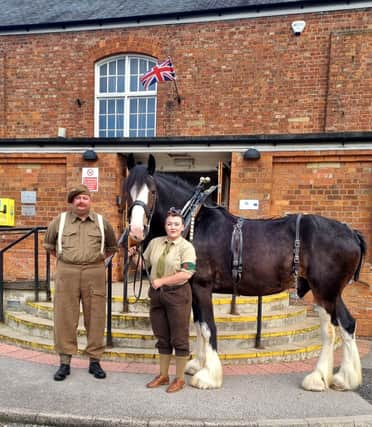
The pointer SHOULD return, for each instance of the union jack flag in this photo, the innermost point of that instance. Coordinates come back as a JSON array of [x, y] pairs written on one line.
[[159, 73]]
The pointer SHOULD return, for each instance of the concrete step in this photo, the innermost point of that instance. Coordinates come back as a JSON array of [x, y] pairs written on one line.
[[143, 338], [289, 352], [42, 326], [221, 304]]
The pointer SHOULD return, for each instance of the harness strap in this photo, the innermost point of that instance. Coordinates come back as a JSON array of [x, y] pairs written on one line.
[[62, 226], [237, 250], [191, 209], [296, 250]]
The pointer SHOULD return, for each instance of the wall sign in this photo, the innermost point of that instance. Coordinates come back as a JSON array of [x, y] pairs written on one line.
[[90, 178]]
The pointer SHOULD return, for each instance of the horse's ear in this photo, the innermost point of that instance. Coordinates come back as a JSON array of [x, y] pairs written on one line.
[[151, 165], [130, 162]]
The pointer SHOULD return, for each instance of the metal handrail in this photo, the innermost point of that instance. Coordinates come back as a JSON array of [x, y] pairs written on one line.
[[28, 232]]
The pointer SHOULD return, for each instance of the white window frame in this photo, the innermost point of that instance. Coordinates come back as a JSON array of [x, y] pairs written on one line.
[[127, 95]]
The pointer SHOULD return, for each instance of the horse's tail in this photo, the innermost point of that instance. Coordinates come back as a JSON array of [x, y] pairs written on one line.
[[363, 249]]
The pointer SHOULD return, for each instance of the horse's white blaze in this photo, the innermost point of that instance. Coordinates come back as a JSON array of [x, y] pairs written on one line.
[[321, 378], [349, 376], [138, 213], [211, 373]]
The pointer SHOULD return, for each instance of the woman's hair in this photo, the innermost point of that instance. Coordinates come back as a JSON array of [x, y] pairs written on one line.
[[175, 212]]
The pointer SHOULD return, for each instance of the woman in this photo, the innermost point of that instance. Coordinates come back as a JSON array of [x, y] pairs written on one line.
[[172, 260]]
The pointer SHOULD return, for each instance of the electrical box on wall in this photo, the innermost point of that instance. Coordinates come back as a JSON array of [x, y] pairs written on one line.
[[7, 213]]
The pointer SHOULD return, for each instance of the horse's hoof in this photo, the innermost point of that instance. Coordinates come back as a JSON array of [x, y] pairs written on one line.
[[314, 382], [203, 380], [192, 367], [340, 383]]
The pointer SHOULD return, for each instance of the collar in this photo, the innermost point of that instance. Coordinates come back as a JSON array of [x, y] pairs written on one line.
[[76, 217]]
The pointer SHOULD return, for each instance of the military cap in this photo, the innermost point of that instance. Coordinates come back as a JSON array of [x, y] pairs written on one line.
[[76, 191]]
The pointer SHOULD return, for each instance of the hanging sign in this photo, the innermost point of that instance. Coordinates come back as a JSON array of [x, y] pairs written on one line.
[[90, 178]]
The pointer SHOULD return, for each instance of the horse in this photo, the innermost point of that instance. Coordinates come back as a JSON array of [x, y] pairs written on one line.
[[329, 257]]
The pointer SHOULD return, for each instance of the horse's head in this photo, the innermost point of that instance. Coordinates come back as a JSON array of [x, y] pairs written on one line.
[[140, 192]]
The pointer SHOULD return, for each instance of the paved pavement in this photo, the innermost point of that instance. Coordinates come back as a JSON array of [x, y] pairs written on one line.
[[252, 395]]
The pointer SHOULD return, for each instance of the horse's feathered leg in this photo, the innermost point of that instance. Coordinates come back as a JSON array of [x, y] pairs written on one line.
[[206, 366], [211, 373], [321, 378], [349, 376], [195, 364]]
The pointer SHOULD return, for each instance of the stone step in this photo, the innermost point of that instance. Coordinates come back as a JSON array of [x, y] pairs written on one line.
[[221, 304], [42, 326], [289, 352], [143, 338]]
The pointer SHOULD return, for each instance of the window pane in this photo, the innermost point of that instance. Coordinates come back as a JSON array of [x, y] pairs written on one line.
[[144, 66], [134, 84], [142, 121], [133, 121], [150, 132], [133, 66], [142, 105], [151, 121], [112, 85], [102, 106], [103, 70], [112, 68], [111, 106], [141, 133], [111, 133], [121, 67], [102, 133], [151, 105], [111, 122], [121, 84], [120, 122], [133, 105], [120, 133], [103, 84], [102, 122], [120, 106]]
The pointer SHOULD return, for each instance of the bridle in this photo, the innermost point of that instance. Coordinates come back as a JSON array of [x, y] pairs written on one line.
[[148, 209]]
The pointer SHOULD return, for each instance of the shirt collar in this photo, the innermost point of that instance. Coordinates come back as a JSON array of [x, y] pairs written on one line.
[[76, 218]]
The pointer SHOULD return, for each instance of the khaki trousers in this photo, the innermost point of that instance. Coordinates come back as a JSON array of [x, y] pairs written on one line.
[[170, 311], [75, 283]]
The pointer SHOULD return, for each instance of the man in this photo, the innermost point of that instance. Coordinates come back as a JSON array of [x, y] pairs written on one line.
[[81, 240]]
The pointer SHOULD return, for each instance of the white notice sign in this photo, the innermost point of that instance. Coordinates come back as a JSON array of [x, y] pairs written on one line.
[[90, 178], [249, 204]]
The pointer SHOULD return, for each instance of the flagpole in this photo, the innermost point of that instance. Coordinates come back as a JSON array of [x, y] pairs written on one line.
[[178, 95], [175, 84]]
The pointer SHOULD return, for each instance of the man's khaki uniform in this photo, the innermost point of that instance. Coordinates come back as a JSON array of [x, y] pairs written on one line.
[[170, 306], [80, 276]]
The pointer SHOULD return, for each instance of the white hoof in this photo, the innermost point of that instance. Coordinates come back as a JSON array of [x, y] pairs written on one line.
[[343, 382], [314, 382], [192, 367], [203, 380]]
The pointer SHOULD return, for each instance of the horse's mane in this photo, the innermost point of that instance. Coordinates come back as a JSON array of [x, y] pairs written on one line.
[[175, 181]]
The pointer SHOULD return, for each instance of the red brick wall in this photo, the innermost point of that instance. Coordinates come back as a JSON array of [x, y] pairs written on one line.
[[248, 76], [51, 176]]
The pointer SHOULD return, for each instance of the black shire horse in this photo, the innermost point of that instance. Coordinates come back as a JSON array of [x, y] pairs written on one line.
[[330, 257]]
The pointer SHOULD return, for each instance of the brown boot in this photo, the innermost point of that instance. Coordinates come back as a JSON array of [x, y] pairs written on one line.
[[158, 381], [176, 385]]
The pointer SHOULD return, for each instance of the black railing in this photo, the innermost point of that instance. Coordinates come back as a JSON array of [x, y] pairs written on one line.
[[26, 233]]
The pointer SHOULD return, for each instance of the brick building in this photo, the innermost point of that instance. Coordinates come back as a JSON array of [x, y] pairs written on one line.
[[69, 82]]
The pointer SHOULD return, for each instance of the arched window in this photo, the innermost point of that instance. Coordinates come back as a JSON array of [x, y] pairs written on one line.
[[122, 106]]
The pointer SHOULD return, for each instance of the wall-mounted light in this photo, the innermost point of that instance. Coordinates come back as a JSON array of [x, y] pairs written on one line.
[[62, 132], [251, 154], [298, 27], [90, 156]]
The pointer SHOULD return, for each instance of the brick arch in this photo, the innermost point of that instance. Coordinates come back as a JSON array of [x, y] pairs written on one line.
[[127, 44]]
